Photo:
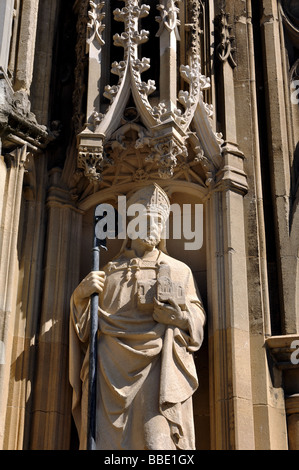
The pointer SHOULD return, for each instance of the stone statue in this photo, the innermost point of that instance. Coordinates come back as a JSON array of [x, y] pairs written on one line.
[[151, 321]]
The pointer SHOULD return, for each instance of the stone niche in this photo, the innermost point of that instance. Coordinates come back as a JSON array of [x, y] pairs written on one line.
[[166, 133], [196, 260]]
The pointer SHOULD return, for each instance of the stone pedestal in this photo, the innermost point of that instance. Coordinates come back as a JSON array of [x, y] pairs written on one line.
[[284, 354]]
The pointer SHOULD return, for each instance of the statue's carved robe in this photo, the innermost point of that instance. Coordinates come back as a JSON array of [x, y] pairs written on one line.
[[146, 372]]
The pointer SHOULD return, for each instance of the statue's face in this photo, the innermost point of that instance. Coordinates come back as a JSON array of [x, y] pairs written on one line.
[[150, 228], [154, 229]]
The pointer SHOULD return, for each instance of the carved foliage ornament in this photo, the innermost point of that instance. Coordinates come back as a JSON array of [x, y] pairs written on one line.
[[95, 25], [225, 48], [166, 151], [92, 160], [169, 17]]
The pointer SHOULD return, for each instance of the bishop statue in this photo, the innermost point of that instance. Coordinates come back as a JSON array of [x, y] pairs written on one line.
[[150, 322]]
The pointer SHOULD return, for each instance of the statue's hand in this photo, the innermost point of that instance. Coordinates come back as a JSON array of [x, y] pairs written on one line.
[[170, 314], [93, 283]]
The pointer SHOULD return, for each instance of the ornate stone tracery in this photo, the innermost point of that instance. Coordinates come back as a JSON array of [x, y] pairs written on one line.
[[166, 121]]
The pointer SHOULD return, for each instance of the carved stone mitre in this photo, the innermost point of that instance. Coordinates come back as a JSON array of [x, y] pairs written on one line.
[[153, 198]]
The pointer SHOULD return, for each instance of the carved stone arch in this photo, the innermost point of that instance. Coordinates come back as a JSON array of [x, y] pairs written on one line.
[[129, 161], [111, 194], [133, 156]]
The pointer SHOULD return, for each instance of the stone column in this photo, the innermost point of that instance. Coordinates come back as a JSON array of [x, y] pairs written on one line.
[[282, 144], [6, 16], [229, 340], [95, 42], [11, 183], [47, 24], [281, 147], [30, 275], [169, 35], [26, 46], [51, 414], [232, 422]]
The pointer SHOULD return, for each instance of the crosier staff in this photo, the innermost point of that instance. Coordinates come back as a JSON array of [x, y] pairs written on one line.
[[94, 305]]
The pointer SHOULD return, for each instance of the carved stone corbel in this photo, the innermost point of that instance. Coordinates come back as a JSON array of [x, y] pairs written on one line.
[[18, 125], [92, 161]]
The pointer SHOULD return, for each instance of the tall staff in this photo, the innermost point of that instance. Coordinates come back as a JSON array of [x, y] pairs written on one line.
[[94, 306]]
